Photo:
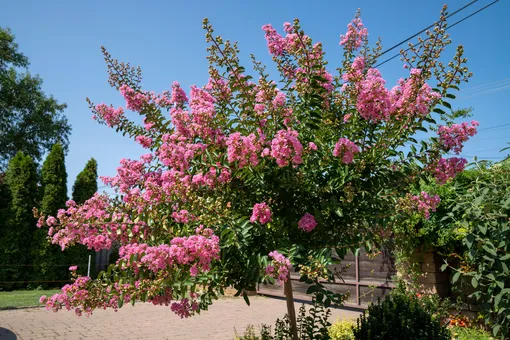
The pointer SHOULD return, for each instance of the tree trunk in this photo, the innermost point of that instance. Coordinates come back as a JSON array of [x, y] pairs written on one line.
[[291, 311]]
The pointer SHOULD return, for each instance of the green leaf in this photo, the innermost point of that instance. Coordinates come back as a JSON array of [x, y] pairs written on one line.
[[312, 289], [448, 105], [474, 282], [495, 330], [444, 266], [455, 277], [490, 249], [246, 299]]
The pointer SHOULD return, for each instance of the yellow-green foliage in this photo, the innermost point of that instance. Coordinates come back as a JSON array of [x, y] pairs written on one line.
[[342, 330]]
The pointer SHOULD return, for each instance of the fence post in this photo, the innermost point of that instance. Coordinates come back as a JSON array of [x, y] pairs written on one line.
[[88, 269]]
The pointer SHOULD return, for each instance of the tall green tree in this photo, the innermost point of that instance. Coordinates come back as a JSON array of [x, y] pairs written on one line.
[[16, 232], [86, 182], [30, 120], [48, 259]]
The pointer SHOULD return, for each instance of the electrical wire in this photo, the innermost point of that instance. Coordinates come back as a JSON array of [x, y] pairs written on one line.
[[426, 28], [451, 26]]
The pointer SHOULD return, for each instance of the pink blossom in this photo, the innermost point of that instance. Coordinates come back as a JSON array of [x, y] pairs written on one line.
[[144, 141], [182, 216], [279, 268], [307, 223], [51, 221], [373, 102], [275, 42], [345, 149], [353, 39], [178, 95], [108, 114], [243, 149], [425, 203], [448, 168], [286, 148], [412, 97], [261, 213], [452, 137], [73, 268], [184, 308], [279, 100], [135, 101], [312, 146]]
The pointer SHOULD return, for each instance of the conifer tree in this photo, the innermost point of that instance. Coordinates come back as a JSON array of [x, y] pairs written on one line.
[[18, 224]]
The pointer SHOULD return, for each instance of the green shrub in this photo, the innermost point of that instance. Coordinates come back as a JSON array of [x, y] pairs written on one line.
[[464, 333], [399, 317], [313, 324], [342, 330]]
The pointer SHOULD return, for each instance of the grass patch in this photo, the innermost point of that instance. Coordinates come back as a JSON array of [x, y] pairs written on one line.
[[23, 298]]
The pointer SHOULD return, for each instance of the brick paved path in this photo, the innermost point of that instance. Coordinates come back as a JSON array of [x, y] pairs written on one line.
[[144, 321]]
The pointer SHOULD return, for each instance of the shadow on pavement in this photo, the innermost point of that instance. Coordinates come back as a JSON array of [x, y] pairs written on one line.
[[6, 334]]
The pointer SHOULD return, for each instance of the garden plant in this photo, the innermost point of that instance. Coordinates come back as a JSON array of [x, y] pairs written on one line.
[[252, 176]]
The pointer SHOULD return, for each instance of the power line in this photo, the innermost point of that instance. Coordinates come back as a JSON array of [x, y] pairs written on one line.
[[483, 157], [488, 91], [453, 25], [483, 87], [426, 28], [494, 127]]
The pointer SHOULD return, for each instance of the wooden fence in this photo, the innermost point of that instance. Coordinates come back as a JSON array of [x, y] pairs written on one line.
[[364, 279]]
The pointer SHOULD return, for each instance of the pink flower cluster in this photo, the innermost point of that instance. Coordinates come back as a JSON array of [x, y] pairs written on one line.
[[261, 213], [176, 152], [243, 149], [197, 251], [178, 95], [279, 268], [275, 42], [144, 141], [130, 173], [373, 102], [135, 101], [425, 203], [286, 148], [184, 308], [108, 114], [453, 137], [92, 224], [203, 113], [448, 168], [355, 73], [345, 149], [412, 97], [307, 223], [353, 39], [70, 296], [182, 216]]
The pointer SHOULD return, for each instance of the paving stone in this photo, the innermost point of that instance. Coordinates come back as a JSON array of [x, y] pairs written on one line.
[[145, 321]]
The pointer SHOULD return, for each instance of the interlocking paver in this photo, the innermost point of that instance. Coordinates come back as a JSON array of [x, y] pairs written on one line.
[[145, 321]]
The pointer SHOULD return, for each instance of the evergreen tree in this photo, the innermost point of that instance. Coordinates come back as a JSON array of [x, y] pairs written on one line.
[[84, 188], [48, 259], [86, 182], [17, 229]]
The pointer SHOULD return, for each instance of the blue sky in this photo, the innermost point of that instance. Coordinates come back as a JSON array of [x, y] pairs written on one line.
[[62, 40]]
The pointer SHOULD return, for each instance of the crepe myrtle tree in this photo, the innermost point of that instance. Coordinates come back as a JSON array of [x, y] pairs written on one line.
[[246, 179]]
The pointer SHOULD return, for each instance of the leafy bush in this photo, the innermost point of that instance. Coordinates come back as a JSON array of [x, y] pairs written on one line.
[[483, 211], [342, 330], [311, 325], [463, 333], [399, 317]]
